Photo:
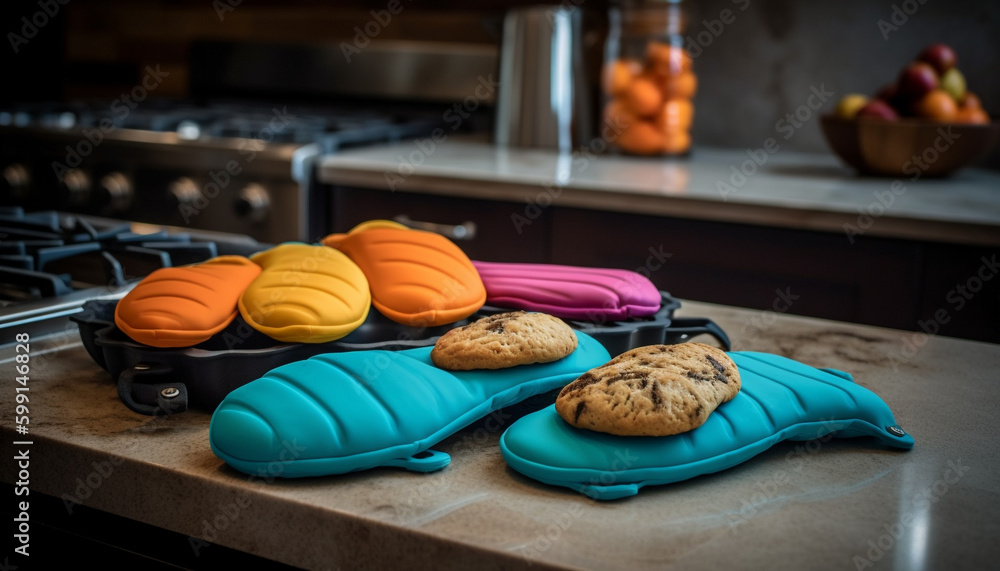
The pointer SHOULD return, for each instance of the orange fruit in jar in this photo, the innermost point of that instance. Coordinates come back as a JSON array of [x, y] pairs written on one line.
[[675, 114], [666, 59], [972, 116], [643, 97], [936, 105], [619, 74], [676, 141], [617, 116], [641, 138], [683, 85]]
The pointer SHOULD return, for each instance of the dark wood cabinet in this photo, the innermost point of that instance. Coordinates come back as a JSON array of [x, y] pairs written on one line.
[[939, 289], [961, 292], [943, 289], [498, 234], [807, 273]]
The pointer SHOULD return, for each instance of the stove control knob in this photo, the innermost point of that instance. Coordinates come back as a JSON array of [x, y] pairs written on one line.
[[252, 202], [75, 189], [184, 191], [114, 193], [15, 182]]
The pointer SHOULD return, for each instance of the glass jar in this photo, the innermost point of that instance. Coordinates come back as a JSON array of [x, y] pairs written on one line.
[[648, 80]]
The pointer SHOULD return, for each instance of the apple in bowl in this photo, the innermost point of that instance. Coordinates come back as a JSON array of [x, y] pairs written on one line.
[[925, 123]]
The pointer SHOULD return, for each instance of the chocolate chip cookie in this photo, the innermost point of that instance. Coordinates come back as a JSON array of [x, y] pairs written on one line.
[[656, 390], [504, 340]]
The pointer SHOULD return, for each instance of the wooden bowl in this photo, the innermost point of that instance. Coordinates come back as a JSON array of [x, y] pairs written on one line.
[[907, 147]]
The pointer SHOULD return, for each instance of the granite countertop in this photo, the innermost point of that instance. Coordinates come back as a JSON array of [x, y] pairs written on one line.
[[785, 189], [840, 504]]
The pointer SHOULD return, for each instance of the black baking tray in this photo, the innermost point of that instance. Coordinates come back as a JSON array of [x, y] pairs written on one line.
[[156, 381]]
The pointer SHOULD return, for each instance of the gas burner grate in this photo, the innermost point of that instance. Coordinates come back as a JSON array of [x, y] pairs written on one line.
[[301, 124], [52, 262], [48, 254]]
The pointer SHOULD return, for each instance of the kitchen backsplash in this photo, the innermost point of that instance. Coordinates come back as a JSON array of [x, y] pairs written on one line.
[[767, 68]]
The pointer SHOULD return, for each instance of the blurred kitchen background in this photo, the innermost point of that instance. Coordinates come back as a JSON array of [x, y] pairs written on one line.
[[758, 68], [758, 63]]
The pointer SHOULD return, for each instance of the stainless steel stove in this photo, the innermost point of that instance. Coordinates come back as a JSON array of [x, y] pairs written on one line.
[[224, 166], [238, 155]]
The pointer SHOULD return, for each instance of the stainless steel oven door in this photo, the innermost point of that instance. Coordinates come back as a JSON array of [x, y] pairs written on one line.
[[240, 186]]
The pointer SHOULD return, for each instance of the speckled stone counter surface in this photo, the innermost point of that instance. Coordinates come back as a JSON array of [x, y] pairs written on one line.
[[785, 189], [840, 504]]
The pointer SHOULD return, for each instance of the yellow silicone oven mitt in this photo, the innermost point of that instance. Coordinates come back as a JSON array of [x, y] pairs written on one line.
[[417, 278], [306, 294], [183, 306]]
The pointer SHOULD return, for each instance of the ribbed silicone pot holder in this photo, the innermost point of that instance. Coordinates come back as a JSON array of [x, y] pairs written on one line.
[[342, 412], [780, 399]]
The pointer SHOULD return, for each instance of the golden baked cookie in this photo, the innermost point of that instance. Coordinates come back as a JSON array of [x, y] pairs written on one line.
[[504, 340], [656, 390]]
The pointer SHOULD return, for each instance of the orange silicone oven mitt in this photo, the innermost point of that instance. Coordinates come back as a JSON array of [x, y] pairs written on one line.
[[417, 278], [306, 294], [183, 306]]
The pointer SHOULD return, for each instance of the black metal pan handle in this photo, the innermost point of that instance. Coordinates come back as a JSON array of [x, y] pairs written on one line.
[[150, 398], [686, 327]]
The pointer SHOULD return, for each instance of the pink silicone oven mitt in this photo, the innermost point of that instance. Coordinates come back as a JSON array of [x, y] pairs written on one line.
[[569, 292]]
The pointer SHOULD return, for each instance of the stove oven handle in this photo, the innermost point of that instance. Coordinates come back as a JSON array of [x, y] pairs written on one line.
[[463, 231], [150, 398]]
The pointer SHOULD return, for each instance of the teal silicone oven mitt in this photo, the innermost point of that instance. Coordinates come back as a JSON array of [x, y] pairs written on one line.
[[342, 412], [780, 399]]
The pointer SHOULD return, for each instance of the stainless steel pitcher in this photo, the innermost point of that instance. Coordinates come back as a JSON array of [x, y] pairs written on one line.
[[543, 97]]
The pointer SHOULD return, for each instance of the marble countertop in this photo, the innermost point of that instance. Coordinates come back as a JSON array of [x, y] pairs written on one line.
[[840, 504], [785, 189]]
